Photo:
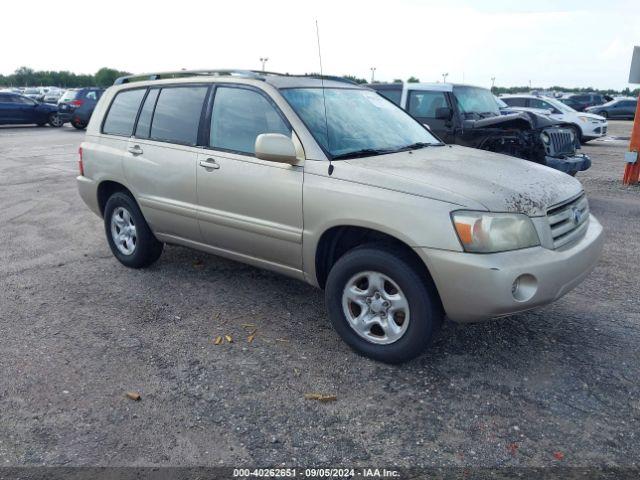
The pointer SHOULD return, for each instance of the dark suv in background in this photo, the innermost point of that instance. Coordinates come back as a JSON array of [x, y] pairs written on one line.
[[77, 104], [580, 101]]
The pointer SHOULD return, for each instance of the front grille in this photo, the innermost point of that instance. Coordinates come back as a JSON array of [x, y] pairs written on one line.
[[568, 221], [561, 142]]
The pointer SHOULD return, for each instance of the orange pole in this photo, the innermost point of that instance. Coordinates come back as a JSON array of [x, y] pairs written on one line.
[[632, 170]]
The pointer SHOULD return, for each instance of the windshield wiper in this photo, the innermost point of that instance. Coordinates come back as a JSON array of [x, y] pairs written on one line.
[[365, 152], [416, 146]]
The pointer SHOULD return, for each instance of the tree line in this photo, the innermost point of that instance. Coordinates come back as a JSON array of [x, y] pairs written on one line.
[[28, 77], [25, 76]]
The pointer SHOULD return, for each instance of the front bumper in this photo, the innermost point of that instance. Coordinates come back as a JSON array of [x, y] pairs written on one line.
[[571, 165], [475, 287]]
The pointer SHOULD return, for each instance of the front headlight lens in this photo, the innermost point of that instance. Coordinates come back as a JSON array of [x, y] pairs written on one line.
[[482, 232], [545, 138], [586, 119]]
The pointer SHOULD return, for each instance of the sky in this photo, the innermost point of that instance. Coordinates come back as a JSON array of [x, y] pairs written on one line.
[[563, 42]]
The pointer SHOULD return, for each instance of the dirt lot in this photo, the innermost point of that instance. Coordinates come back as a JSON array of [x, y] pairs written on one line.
[[557, 386]]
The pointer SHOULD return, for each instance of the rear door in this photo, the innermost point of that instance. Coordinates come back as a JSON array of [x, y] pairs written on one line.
[[26, 111], [628, 108], [423, 105], [249, 207], [160, 159]]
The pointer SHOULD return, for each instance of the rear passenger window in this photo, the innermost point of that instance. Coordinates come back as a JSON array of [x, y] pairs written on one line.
[[177, 115], [239, 116], [122, 113], [144, 121]]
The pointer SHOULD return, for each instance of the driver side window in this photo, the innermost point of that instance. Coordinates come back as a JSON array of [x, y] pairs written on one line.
[[239, 116], [425, 104]]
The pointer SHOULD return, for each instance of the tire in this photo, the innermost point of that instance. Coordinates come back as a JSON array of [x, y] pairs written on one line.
[[604, 114], [79, 125], [55, 120], [414, 325], [138, 247]]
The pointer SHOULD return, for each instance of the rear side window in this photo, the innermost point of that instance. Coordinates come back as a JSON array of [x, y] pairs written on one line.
[[425, 104], [393, 95], [122, 113], [177, 115], [69, 95], [144, 121], [239, 116]]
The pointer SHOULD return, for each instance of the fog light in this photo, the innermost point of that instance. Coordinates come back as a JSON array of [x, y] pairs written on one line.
[[524, 287]]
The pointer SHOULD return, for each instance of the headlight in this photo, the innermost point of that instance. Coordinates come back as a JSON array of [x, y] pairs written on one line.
[[586, 119], [483, 232], [545, 138]]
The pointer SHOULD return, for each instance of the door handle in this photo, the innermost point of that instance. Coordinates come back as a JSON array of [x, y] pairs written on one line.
[[135, 150], [209, 164]]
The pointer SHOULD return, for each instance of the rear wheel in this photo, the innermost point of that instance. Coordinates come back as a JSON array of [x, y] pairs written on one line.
[[79, 125], [131, 240], [382, 305], [604, 114], [55, 120]]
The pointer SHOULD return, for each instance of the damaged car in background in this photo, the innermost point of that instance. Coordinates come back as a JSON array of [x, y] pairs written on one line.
[[470, 116]]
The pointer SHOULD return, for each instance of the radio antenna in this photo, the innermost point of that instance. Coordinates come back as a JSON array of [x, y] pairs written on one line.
[[324, 100]]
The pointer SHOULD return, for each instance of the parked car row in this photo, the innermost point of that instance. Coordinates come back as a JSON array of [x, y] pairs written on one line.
[[73, 106]]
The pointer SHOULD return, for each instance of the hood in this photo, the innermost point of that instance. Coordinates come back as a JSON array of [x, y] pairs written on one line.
[[465, 176], [522, 120], [591, 115]]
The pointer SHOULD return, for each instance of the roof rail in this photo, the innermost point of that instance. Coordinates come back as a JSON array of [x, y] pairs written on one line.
[[191, 73], [255, 74]]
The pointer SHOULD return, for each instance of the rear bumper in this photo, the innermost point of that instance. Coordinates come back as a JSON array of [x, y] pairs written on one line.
[[88, 190], [475, 287], [571, 165]]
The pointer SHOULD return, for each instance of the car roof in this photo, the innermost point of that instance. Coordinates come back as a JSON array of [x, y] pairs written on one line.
[[277, 80]]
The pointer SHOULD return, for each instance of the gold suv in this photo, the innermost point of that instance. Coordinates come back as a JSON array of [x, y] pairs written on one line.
[[330, 183]]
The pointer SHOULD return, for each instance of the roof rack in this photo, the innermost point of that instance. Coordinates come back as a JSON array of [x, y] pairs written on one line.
[[191, 73], [254, 74]]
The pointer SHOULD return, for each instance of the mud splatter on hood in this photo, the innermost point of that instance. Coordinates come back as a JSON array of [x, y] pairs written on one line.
[[499, 182]]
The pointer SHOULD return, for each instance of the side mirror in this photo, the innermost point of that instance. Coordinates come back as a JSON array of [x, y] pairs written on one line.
[[444, 113], [276, 147]]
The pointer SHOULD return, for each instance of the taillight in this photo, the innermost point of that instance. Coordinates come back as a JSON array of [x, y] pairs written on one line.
[[80, 165], [77, 103]]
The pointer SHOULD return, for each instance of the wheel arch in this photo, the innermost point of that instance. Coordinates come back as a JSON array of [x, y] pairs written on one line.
[[337, 240], [106, 188]]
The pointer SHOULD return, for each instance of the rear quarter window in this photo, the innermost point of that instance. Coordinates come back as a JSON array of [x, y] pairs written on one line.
[[122, 112]]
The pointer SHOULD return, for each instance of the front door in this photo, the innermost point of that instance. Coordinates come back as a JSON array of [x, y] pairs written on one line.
[[423, 105], [249, 207]]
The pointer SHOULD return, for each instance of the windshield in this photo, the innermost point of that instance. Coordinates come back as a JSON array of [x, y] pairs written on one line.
[[500, 102], [357, 121], [559, 105], [475, 100], [32, 90]]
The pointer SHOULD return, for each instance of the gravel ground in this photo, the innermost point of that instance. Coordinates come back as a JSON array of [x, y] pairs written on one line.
[[556, 386]]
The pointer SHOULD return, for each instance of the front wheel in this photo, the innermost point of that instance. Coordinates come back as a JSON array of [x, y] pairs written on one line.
[[131, 240], [79, 125], [382, 305], [55, 120]]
